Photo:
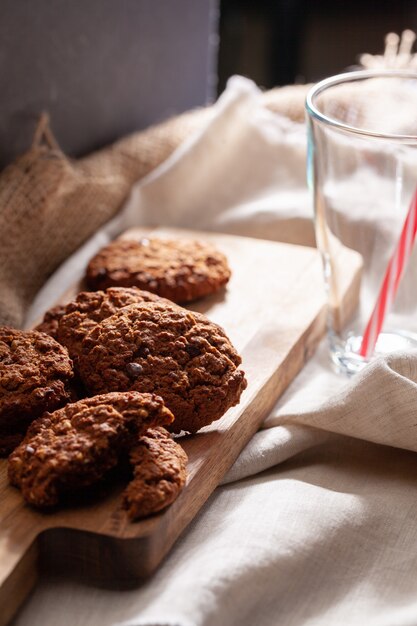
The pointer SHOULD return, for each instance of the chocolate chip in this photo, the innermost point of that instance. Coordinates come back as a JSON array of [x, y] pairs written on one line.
[[134, 369], [142, 351], [192, 350]]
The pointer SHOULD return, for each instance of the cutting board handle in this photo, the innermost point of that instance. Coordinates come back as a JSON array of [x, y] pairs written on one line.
[[18, 570]]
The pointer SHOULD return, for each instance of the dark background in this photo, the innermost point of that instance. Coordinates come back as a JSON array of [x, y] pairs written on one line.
[[101, 68], [105, 68], [277, 42]]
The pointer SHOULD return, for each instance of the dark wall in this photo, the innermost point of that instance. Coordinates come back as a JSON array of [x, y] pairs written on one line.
[[277, 42], [102, 68]]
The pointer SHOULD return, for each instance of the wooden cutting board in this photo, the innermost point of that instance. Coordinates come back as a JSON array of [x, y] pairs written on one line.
[[274, 312]]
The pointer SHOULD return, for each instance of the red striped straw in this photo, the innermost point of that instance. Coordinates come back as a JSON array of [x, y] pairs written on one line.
[[391, 281]]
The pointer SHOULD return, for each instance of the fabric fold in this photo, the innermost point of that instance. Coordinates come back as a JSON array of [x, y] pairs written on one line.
[[380, 405]]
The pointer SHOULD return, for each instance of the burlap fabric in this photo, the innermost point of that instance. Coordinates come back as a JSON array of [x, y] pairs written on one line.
[[50, 204]]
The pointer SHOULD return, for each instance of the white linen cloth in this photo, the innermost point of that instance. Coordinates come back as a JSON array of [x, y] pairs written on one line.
[[315, 523]]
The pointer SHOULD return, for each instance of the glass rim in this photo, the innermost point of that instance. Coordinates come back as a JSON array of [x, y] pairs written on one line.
[[346, 77]]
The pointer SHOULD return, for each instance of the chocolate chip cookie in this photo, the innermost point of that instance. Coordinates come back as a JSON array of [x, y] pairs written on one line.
[[89, 308], [77, 445], [178, 269], [159, 466], [159, 348], [35, 372]]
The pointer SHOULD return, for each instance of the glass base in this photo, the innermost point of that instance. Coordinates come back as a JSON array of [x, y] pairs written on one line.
[[345, 356]]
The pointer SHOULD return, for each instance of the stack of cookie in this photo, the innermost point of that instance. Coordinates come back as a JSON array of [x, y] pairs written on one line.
[[138, 363]]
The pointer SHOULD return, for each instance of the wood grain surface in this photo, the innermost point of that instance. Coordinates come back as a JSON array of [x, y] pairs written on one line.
[[274, 312]]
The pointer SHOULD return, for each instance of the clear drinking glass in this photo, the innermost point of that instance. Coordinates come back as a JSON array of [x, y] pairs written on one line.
[[362, 168]]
